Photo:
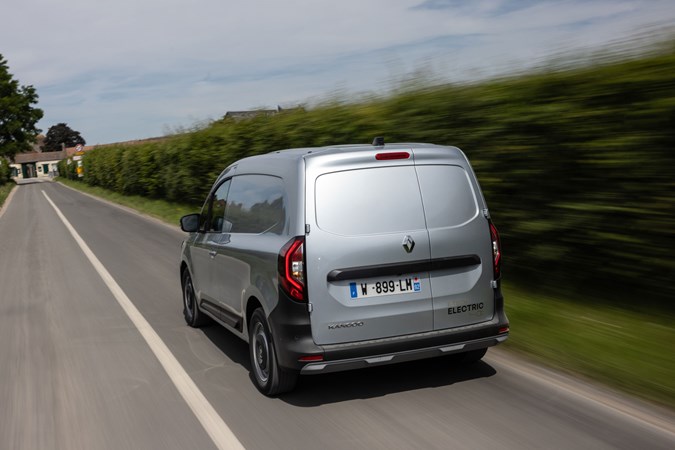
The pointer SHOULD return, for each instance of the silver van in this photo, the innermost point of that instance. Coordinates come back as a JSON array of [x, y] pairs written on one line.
[[345, 257]]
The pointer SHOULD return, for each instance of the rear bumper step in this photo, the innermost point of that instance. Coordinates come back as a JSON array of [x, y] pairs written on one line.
[[410, 355]]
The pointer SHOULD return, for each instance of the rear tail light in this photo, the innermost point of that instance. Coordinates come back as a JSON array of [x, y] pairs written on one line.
[[292, 268], [496, 251]]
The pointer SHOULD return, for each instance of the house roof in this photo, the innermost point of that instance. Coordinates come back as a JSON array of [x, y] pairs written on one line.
[[30, 157]]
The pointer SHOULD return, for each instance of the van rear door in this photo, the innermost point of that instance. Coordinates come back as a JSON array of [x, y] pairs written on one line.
[[461, 254], [367, 251]]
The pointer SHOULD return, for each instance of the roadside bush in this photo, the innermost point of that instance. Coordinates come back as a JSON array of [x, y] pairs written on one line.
[[5, 171], [68, 169]]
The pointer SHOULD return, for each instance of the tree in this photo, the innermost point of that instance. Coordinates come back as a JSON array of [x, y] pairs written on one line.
[[59, 134], [17, 114]]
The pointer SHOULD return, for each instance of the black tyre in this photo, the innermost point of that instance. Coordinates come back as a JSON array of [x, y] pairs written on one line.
[[193, 316], [269, 378]]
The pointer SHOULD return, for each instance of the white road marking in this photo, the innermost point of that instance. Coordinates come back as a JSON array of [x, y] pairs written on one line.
[[214, 425]]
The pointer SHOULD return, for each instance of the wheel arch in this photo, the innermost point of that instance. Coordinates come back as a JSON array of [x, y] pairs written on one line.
[[252, 303], [183, 268]]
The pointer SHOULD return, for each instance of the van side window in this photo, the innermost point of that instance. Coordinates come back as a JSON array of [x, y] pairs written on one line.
[[213, 212], [256, 204]]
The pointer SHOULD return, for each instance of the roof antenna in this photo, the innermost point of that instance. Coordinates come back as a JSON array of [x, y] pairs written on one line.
[[378, 141]]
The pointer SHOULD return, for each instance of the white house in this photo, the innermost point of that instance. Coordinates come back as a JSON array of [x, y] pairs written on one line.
[[36, 164]]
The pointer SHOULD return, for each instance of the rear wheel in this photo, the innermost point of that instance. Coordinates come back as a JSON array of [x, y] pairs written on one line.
[[269, 378], [193, 316]]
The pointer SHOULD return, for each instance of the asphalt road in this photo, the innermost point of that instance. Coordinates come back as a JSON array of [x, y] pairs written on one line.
[[76, 372]]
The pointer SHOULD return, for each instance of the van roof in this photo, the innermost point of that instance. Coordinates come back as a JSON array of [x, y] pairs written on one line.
[[286, 160], [334, 149]]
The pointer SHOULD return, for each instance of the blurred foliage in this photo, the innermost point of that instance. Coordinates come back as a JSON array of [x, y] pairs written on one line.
[[577, 165], [5, 171], [67, 169], [628, 350], [5, 189]]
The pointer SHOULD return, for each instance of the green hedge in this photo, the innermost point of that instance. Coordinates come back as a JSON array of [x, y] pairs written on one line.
[[67, 169], [5, 171], [577, 166]]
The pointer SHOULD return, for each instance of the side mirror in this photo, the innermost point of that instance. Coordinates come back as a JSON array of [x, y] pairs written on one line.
[[190, 223]]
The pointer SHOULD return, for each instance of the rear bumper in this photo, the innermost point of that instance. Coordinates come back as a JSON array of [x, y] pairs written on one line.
[[292, 334], [400, 356]]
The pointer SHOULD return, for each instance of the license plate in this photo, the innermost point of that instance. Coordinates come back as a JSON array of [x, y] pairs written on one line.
[[392, 286]]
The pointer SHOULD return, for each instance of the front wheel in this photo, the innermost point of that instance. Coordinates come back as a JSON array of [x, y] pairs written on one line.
[[193, 316], [269, 378]]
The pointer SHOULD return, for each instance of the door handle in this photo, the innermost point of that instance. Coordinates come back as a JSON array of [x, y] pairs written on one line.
[[212, 254]]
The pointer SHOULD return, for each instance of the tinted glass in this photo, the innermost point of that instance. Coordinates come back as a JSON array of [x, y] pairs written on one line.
[[255, 204], [369, 201], [214, 221], [449, 199]]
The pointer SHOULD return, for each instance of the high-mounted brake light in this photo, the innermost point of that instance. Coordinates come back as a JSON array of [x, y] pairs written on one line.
[[496, 251], [292, 268], [392, 155]]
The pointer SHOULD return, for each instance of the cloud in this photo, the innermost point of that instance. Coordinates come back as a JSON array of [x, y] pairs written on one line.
[[130, 68]]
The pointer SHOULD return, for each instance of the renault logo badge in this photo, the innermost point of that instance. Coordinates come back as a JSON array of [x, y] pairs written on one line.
[[408, 244]]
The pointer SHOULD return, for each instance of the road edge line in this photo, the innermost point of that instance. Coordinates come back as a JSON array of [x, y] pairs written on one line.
[[215, 426]]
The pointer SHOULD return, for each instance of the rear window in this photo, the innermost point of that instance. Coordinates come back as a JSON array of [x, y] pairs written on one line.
[[369, 201], [449, 199]]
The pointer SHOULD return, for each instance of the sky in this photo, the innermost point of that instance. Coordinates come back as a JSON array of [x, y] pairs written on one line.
[[133, 69]]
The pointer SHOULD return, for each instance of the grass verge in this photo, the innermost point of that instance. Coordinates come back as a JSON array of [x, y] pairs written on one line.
[[160, 209], [5, 189], [625, 349]]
